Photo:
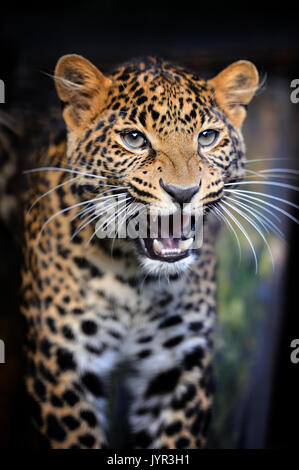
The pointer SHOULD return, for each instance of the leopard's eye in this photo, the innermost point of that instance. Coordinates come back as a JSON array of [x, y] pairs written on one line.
[[207, 137], [134, 139]]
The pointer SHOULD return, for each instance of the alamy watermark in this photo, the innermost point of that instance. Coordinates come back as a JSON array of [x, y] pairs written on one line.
[[2, 352], [294, 97], [295, 353], [2, 92], [133, 221]]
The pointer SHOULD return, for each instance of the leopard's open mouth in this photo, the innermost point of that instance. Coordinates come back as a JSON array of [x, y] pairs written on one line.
[[169, 238]]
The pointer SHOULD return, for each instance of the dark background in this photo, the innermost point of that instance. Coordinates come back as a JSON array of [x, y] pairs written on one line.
[[205, 36]]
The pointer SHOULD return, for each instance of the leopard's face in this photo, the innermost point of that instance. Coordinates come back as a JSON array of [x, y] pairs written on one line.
[[155, 137]]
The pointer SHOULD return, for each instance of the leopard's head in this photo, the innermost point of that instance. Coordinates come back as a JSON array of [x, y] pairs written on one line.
[[154, 134]]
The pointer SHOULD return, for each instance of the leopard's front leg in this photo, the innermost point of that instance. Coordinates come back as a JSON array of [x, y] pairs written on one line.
[[175, 410], [68, 355], [185, 421], [67, 402]]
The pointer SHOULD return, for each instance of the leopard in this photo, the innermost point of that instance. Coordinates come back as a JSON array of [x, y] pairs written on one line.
[[120, 330]]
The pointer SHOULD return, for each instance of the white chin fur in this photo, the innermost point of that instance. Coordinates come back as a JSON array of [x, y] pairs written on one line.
[[156, 267]]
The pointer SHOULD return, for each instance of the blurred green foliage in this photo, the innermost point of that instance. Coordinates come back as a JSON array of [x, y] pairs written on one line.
[[242, 298]]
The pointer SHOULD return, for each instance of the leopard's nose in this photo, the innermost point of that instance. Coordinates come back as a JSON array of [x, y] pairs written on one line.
[[180, 194]]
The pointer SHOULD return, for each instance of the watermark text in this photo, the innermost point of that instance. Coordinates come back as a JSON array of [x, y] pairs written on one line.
[[295, 353], [2, 352], [294, 97], [2, 92]]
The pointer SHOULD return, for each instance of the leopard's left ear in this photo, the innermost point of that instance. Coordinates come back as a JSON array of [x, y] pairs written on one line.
[[234, 87], [82, 88]]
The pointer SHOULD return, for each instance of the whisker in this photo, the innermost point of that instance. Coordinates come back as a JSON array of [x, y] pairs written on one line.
[[243, 198], [254, 173], [245, 194], [264, 221], [280, 170], [253, 223], [227, 222], [114, 188], [117, 215], [66, 209], [267, 183], [274, 172], [116, 232], [98, 207], [65, 170], [128, 213], [106, 222], [132, 211], [242, 229], [49, 192], [71, 84], [120, 221], [270, 175], [102, 201], [96, 214], [269, 159]]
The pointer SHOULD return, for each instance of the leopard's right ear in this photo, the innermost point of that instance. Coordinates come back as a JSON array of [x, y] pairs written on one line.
[[82, 88]]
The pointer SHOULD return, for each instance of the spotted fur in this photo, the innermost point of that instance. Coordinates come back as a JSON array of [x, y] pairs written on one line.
[[119, 345]]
